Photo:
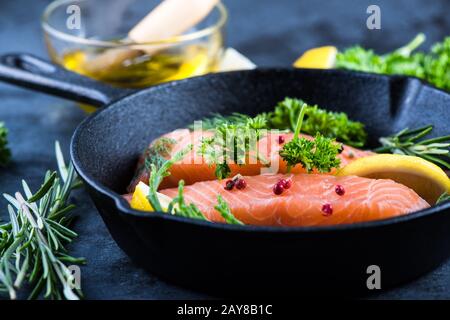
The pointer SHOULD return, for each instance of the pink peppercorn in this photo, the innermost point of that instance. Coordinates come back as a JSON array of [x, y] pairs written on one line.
[[229, 185], [286, 183], [339, 190], [278, 188], [327, 210], [281, 139], [240, 184]]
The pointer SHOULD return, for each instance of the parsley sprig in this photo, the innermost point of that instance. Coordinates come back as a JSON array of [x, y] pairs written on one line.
[[433, 66], [5, 153], [319, 153]]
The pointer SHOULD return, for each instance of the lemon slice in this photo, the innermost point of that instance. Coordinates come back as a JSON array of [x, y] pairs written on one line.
[[427, 179], [317, 58], [139, 200]]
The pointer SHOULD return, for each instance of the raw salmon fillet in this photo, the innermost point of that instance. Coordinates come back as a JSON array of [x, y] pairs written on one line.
[[193, 169], [303, 204]]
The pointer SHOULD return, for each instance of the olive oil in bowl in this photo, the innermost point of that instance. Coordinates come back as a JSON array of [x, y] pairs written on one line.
[[145, 70]]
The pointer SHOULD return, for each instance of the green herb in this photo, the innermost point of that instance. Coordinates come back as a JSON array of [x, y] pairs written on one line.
[[320, 153], [158, 152], [5, 153], [232, 142], [216, 120], [437, 65], [32, 244], [284, 116], [330, 124], [222, 171], [401, 61], [411, 142], [158, 174], [178, 205], [443, 198], [224, 209], [433, 67], [155, 154]]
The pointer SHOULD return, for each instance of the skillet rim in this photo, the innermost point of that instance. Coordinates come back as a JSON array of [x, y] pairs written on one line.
[[124, 208]]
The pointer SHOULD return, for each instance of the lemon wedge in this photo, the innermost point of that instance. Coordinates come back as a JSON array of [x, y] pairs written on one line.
[[139, 200], [317, 58], [425, 178]]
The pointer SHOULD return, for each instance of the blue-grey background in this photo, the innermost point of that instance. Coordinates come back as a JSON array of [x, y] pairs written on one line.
[[271, 33]]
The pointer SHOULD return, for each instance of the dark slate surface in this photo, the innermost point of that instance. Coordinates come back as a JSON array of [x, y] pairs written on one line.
[[271, 33]]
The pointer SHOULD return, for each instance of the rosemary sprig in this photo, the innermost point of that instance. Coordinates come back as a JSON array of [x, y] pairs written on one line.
[[32, 244], [411, 142], [5, 153]]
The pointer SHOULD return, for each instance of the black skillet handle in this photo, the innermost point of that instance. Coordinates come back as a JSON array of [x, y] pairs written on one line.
[[30, 72]]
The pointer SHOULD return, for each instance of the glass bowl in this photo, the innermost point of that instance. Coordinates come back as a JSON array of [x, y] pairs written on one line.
[[77, 32]]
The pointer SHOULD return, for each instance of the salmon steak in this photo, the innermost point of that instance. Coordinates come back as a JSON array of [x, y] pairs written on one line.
[[193, 168], [311, 200]]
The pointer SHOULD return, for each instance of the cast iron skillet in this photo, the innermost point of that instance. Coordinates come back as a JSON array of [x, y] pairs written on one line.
[[237, 260]]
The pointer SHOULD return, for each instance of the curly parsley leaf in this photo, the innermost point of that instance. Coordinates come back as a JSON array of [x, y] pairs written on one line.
[[320, 153], [437, 65], [5, 153], [433, 66]]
